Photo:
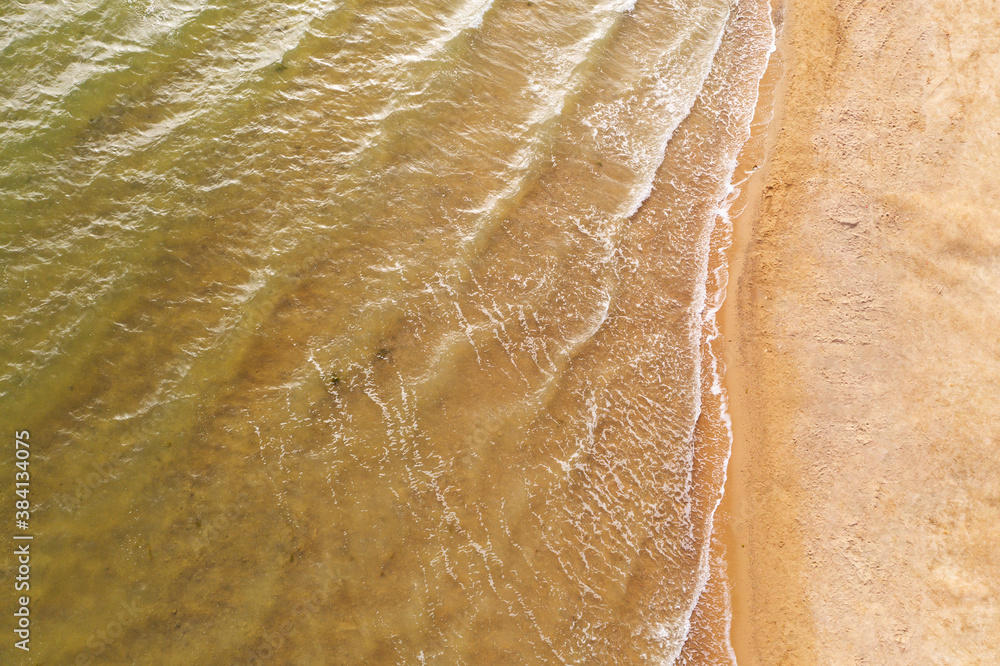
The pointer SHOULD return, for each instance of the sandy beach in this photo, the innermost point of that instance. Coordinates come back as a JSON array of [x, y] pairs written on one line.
[[863, 502]]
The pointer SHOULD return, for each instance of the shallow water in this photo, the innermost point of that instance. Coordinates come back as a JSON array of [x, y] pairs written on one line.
[[370, 332]]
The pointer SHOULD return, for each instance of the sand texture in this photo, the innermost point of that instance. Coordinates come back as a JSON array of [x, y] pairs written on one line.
[[864, 492]]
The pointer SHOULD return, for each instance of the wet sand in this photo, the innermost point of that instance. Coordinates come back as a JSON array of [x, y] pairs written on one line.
[[863, 502]]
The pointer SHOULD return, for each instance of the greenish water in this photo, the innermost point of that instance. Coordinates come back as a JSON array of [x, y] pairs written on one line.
[[367, 332]]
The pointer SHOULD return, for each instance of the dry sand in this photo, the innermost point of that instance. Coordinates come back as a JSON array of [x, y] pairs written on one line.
[[862, 335]]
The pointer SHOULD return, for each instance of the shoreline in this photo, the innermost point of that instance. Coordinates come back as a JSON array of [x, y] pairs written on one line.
[[708, 636], [731, 519]]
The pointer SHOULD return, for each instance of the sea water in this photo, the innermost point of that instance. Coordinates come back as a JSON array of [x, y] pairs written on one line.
[[370, 332]]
